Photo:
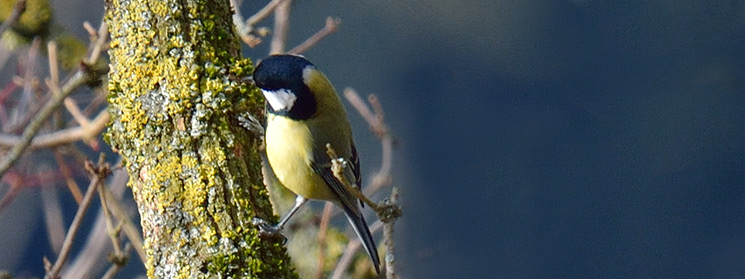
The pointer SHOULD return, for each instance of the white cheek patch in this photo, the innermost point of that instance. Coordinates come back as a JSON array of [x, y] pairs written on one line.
[[281, 99]]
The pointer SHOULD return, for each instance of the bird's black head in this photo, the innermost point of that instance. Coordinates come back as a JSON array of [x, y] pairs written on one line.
[[280, 77]]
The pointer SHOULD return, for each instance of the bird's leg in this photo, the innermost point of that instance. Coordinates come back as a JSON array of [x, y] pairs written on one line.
[[299, 201], [266, 228]]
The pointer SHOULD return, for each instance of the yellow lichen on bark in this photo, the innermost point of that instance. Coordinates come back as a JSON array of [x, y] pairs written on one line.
[[175, 94]]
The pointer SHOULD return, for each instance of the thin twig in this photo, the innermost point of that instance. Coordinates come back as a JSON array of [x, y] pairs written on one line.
[[356, 101], [91, 255], [263, 13], [18, 181], [112, 232], [389, 210], [240, 27], [246, 30], [91, 31], [281, 27], [72, 107], [332, 25], [118, 264], [4, 94], [99, 43], [61, 137], [348, 255], [18, 10], [23, 113], [78, 79], [375, 118], [15, 183], [133, 233], [390, 253], [322, 234], [338, 165], [67, 175], [98, 174], [53, 81]]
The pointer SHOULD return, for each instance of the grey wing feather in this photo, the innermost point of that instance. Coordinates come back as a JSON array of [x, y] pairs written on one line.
[[355, 167], [346, 198], [322, 166]]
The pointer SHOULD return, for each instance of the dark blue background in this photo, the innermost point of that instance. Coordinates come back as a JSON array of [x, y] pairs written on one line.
[[555, 138], [550, 139]]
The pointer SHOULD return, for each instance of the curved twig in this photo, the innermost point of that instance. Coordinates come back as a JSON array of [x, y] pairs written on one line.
[[332, 25]]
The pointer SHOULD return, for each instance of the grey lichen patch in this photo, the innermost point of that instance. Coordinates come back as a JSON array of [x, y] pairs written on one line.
[[174, 91]]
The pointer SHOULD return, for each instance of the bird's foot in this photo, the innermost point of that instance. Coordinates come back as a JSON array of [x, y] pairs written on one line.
[[250, 123], [267, 229]]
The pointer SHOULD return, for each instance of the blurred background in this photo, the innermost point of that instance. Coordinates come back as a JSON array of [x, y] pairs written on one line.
[[538, 139]]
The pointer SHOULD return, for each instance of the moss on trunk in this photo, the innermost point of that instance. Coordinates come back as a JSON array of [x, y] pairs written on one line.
[[175, 92]]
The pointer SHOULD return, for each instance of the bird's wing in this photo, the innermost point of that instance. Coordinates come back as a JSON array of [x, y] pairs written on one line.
[[354, 166], [348, 202], [322, 166]]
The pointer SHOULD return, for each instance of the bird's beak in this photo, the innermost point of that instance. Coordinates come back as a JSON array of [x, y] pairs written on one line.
[[248, 79]]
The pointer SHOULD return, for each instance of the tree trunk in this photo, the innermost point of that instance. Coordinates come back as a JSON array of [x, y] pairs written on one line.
[[175, 94]]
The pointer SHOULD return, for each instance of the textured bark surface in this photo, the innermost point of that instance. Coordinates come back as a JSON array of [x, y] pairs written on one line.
[[175, 94]]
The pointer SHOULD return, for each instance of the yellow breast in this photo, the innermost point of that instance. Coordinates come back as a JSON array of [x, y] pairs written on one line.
[[289, 147]]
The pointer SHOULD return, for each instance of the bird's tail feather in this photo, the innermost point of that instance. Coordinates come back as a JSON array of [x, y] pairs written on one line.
[[363, 232]]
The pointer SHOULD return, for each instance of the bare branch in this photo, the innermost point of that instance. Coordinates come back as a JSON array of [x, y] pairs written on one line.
[[133, 233], [389, 210], [14, 181], [246, 29], [72, 107], [111, 231], [89, 28], [89, 256], [390, 255], [67, 175], [74, 82], [375, 118], [338, 165], [53, 81], [322, 233], [29, 83], [60, 137], [332, 25], [117, 264], [263, 13], [99, 44], [98, 173], [281, 27]]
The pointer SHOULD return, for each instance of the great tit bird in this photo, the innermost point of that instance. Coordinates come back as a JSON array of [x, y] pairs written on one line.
[[304, 114]]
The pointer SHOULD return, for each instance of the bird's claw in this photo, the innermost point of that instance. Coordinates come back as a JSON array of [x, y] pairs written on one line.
[[267, 229], [250, 123]]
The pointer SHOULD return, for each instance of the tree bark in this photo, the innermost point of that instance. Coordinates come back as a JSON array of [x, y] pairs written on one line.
[[175, 94]]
